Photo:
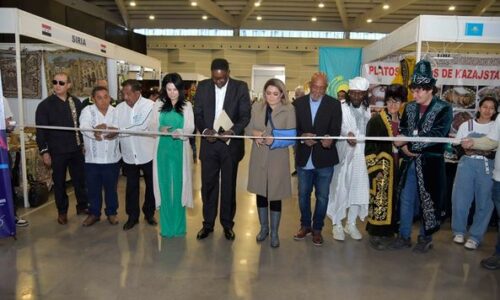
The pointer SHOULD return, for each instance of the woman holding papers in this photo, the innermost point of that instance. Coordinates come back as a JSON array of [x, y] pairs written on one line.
[[172, 161], [269, 171]]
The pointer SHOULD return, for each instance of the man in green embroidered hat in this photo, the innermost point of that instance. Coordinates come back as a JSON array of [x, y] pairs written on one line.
[[421, 184]]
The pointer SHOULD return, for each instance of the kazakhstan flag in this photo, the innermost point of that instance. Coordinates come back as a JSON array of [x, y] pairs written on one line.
[[340, 65]]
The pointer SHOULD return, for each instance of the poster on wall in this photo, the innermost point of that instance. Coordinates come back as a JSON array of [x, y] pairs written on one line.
[[462, 80], [84, 69], [31, 62], [7, 219]]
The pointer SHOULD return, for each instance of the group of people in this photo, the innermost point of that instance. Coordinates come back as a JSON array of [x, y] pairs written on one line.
[[389, 183]]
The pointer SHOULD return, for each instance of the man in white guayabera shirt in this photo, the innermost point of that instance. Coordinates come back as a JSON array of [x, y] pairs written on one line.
[[102, 156], [137, 152]]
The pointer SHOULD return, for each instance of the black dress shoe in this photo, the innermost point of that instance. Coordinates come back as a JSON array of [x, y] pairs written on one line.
[[203, 233], [151, 221], [130, 224], [229, 234]]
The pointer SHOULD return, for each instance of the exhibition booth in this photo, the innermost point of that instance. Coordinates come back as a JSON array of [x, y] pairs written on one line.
[[464, 74], [27, 68]]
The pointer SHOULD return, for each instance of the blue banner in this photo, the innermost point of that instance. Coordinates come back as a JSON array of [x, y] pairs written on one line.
[[340, 65], [7, 219]]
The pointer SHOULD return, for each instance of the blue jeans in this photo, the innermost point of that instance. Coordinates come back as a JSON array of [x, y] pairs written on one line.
[[101, 176], [410, 203], [472, 183], [496, 199], [320, 179]]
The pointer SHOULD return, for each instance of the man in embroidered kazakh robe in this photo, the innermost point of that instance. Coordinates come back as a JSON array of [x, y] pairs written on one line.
[[422, 184], [382, 162], [349, 186]]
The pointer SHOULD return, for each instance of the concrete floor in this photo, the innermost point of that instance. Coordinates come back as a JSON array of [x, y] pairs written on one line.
[[50, 261]]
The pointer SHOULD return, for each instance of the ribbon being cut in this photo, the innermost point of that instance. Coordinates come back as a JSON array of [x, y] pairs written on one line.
[[416, 138]]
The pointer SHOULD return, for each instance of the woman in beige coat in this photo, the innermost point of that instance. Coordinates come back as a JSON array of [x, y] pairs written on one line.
[[269, 171]]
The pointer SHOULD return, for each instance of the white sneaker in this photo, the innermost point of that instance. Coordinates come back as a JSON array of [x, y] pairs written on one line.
[[459, 239], [338, 232], [21, 222], [471, 244], [353, 231]]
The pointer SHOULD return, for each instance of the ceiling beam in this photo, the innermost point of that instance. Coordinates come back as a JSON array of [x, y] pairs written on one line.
[[93, 10], [378, 12], [246, 12], [123, 12], [343, 14], [482, 7], [217, 12]]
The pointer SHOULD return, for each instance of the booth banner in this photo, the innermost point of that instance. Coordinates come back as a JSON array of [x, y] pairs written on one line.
[[7, 219], [340, 65], [462, 80], [456, 74], [84, 69], [31, 62]]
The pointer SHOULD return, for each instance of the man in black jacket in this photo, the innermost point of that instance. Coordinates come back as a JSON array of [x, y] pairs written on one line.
[[62, 149], [220, 156], [318, 115]]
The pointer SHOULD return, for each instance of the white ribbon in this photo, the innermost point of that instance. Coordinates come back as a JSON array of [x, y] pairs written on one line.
[[439, 140]]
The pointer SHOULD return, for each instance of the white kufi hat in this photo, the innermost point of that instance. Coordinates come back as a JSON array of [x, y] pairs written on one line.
[[359, 84]]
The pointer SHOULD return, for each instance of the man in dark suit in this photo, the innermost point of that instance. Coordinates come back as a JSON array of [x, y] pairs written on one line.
[[317, 115], [220, 155]]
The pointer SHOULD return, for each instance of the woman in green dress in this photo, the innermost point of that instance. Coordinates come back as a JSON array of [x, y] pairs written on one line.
[[173, 156]]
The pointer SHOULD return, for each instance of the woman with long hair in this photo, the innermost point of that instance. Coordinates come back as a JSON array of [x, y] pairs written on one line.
[[173, 157], [473, 180], [269, 168]]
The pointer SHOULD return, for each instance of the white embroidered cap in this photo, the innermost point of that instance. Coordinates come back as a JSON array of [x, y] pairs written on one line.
[[359, 84]]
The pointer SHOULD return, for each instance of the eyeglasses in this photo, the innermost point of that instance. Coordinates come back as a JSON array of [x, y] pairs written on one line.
[[393, 101], [54, 82]]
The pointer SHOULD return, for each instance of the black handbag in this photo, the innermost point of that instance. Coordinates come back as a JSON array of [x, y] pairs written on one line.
[[38, 193]]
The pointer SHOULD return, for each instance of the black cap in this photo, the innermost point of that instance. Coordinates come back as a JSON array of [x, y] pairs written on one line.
[[219, 64]]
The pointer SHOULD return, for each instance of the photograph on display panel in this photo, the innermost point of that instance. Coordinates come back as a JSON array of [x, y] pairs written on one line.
[[459, 96]]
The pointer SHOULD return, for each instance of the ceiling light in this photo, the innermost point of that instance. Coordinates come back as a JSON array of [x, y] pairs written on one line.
[[194, 3], [452, 8], [151, 17], [204, 17], [314, 19], [386, 6], [369, 20], [257, 3], [321, 5], [259, 18], [132, 3]]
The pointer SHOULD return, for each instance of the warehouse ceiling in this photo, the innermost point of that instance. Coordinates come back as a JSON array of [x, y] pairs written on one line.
[[333, 15]]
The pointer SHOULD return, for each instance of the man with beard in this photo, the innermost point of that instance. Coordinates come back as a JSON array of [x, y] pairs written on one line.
[[349, 187]]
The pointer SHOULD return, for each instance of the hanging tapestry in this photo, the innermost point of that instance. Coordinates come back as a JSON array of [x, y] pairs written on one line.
[[31, 62], [84, 69]]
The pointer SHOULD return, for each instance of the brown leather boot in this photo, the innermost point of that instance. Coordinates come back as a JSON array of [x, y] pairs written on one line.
[[90, 220], [62, 219], [302, 233]]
